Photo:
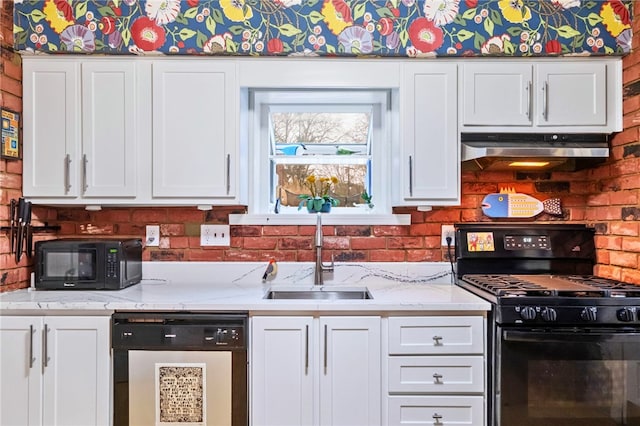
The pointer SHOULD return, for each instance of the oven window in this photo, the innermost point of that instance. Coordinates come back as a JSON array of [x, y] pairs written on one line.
[[72, 265], [567, 379]]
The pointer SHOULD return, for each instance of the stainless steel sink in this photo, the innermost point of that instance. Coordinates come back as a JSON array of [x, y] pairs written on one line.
[[319, 293]]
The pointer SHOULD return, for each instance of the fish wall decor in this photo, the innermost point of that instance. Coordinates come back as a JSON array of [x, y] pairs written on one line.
[[511, 204]]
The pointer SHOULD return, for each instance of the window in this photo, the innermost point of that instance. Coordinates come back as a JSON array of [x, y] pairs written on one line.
[[326, 133]]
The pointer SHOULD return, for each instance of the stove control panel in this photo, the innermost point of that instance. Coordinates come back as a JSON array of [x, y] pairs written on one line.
[[526, 242], [568, 315]]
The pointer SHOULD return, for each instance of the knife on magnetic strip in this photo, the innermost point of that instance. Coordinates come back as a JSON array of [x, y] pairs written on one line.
[[20, 233], [13, 224]]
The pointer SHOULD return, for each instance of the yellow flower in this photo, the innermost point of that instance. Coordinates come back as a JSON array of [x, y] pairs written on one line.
[[236, 10], [334, 180], [514, 11], [55, 17], [337, 15], [612, 20]]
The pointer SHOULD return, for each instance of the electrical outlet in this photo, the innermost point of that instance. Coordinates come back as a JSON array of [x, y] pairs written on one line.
[[448, 231], [214, 235], [152, 238]]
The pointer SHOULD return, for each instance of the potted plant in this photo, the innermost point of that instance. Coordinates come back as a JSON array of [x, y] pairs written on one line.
[[320, 199]]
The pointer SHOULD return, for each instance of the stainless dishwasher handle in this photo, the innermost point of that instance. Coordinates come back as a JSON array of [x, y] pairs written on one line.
[[31, 358], [325, 349], [67, 178], [306, 350], [45, 343]]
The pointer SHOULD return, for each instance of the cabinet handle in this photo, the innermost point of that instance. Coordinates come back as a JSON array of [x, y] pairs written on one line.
[[67, 166], [437, 340], [306, 350], [325, 349], [545, 112], [84, 173], [436, 379], [529, 87], [436, 419], [410, 176], [31, 358], [228, 173], [45, 352]]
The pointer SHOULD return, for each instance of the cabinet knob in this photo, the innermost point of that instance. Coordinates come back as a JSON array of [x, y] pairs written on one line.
[[437, 340], [436, 379]]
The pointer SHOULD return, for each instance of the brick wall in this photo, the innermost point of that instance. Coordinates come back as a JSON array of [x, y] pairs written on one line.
[[614, 204], [607, 197], [11, 275]]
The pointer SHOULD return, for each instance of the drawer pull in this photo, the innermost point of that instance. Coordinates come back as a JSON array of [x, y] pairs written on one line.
[[436, 419], [437, 340], [436, 379]]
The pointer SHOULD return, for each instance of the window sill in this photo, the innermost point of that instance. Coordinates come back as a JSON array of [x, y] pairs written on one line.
[[327, 219]]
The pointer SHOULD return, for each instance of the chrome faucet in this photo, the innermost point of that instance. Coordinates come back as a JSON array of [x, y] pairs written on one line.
[[321, 268]]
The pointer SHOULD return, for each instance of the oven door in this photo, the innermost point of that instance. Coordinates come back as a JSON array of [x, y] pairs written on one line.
[[567, 377]]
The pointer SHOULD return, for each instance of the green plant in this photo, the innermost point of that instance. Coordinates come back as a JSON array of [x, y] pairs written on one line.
[[320, 189], [367, 198]]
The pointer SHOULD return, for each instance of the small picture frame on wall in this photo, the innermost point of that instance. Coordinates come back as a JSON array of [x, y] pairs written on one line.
[[10, 135]]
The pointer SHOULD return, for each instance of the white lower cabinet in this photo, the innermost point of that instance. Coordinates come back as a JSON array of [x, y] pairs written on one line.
[[309, 370], [436, 371], [55, 370]]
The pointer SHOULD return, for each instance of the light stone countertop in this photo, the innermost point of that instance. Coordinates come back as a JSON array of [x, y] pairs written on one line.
[[237, 286]]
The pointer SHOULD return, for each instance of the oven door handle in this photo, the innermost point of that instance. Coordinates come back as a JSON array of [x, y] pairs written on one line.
[[609, 335]]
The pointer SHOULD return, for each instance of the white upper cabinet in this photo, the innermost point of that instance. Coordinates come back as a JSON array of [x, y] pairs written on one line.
[[79, 132], [109, 123], [51, 129], [562, 95], [428, 156], [195, 128]]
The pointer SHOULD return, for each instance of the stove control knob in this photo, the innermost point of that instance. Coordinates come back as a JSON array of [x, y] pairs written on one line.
[[549, 314], [528, 313], [626, 314], [589, 314]]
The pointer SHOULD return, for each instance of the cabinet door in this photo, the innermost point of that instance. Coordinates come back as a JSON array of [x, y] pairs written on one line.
[[20, 369], [282, 370], [571, 94], [77, 371], [51, 126], [496, 94], [108, 164], [194, 129], [430, 144], [350, 377]]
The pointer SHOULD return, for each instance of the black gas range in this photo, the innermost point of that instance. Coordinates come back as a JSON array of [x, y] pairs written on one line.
[[563, 345], [541, 274]]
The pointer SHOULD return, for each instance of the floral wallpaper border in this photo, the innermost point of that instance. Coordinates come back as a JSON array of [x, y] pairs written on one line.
[[405, 28]]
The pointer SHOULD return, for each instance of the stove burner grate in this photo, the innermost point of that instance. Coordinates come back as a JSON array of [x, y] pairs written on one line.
[[585, 286]]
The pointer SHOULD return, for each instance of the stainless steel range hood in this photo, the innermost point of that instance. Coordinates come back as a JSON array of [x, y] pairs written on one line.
[[533, 151]]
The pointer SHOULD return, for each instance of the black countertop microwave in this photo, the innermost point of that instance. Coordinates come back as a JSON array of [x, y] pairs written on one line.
[[89, 264]]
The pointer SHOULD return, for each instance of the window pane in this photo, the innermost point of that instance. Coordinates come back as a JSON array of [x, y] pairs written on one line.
[[319, 133], [290, 182]]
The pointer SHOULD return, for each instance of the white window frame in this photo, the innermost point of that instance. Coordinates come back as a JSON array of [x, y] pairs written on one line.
[[261, 211]]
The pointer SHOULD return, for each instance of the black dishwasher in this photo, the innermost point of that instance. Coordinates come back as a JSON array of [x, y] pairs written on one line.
[[177, 367]]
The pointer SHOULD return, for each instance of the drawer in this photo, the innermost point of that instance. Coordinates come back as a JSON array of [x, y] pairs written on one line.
[[436, 374], [436, 335], [436, 410]]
